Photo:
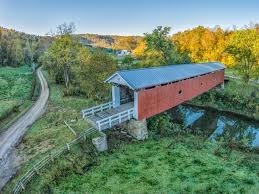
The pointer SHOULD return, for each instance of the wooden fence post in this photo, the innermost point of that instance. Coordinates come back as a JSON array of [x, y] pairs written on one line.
[[36, 170], [51, 157], [68, 148], [22, 185]]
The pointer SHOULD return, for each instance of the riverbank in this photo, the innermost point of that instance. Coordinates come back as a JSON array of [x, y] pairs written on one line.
[[236, 98]]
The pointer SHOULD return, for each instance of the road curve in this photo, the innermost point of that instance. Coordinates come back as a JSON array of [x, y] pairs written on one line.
[[14, 133]]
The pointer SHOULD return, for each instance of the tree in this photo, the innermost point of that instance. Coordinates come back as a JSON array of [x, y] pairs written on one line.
[[127, 62], [65, 29], [125, 43], [159, 42], [94, 69], [244, 47], [62, 55], [60, 59], [28, 53], [17, 56], [204, 44], [158, 49], [140, 49], [17, 48]]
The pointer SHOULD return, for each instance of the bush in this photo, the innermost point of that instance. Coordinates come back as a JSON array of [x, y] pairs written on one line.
[[160, 124]]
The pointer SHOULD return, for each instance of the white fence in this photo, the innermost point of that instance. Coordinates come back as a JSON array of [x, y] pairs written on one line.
[[20, 185], [90, 111], [115, 119]]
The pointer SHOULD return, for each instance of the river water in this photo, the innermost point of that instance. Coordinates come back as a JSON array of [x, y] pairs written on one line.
[[217, 125]]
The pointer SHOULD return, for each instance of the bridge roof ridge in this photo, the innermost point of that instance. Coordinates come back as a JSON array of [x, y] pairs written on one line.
[[148, 77]]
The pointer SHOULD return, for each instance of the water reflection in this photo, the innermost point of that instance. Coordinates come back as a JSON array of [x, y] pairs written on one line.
[[216, 125]]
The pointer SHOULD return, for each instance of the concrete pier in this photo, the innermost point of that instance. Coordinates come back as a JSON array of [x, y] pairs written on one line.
[[138, 129], [100, 143]]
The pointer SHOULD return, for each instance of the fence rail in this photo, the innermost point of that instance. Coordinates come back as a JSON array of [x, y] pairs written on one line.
[[99, 108], [20, 185], [115, 119]]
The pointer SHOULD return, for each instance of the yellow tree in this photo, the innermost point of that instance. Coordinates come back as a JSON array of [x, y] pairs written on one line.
[[243, 45]]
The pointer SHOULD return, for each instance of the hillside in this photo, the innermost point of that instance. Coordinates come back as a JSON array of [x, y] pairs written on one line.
[[110, 41]]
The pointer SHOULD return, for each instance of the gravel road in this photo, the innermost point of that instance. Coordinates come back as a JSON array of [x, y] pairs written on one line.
[[13, 135]]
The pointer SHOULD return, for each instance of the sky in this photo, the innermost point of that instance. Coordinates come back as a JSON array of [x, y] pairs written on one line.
[[125, 17]]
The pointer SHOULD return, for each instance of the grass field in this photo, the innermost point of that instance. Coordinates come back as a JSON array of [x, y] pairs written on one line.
[[15, 91], [178, 164]]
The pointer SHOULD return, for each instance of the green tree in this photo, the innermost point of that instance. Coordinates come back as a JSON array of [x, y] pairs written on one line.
[[127, 62], [17, 55], [159, 42], [61, 58], [28, 53], [159, 49], [94, 69], [244, 47]]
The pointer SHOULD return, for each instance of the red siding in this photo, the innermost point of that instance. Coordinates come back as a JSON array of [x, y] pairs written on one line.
[[161, 98]]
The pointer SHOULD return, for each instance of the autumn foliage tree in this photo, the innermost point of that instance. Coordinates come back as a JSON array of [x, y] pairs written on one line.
[[204, 44], [244, 47]]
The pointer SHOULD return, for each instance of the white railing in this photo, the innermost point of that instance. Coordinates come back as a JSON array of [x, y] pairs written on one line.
[[99, 108], [115, 119]]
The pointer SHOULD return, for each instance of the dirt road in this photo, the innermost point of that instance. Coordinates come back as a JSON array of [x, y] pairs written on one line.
[[14, 134]]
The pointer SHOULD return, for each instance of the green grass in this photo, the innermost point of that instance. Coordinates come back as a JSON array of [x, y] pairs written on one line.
[[15, 83], [7, 106], [15, 92], [177, 164], [50, 132]]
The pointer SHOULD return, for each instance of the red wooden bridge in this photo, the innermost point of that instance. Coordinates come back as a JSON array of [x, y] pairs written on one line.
[[143, 93]]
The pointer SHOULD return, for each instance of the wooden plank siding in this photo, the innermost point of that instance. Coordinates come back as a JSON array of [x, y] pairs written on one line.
[[158, 99]]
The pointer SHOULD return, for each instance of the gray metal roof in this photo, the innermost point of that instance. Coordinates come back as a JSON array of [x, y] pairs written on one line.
[[148, 77]]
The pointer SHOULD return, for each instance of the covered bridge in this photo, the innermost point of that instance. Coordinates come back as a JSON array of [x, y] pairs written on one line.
[[142, 93]]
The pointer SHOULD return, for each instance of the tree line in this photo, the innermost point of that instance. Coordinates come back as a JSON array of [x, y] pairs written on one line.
[[17, 48], [234, 48], [82, 70]]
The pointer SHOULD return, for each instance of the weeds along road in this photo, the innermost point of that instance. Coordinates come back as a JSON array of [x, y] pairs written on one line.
[[14, 134]]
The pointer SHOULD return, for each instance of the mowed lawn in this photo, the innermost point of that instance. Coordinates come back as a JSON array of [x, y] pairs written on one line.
[[15, 88], [182, 164]]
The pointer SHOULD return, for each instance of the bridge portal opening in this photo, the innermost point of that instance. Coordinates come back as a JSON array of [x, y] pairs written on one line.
[[126, 95]]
